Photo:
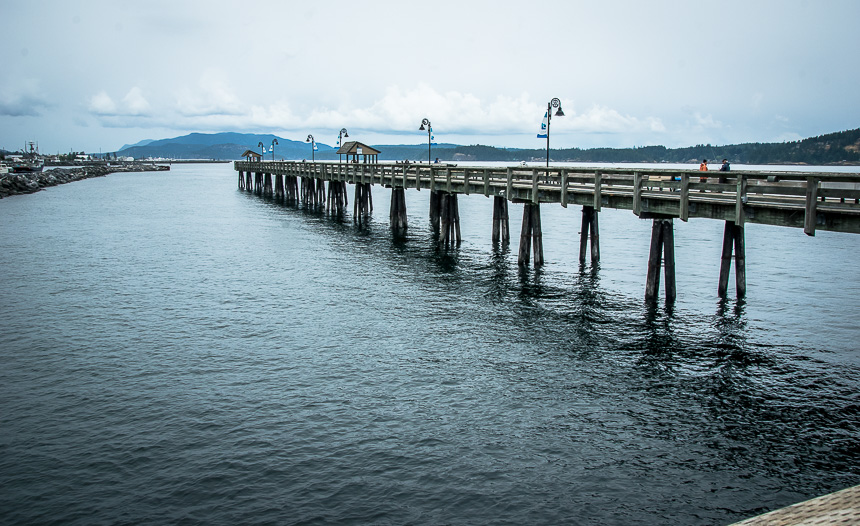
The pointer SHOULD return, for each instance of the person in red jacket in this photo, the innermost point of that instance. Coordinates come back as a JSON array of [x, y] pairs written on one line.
[[703, 168]]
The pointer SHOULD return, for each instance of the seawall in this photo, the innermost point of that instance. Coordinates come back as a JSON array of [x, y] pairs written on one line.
[[28, 183]]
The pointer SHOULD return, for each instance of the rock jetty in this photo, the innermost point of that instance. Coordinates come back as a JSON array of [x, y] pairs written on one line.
[[28, 183]]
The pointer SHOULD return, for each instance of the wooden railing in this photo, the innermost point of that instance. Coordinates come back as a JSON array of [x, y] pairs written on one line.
[[808, 200]]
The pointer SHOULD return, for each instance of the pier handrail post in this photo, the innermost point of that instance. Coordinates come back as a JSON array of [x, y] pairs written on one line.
[[563, 188], [598, 188], [684, 210], [637, 193], [740, 199], [510, 188], [535, 185], [486, 183], [466, 181], [448, 178], [810, 210]]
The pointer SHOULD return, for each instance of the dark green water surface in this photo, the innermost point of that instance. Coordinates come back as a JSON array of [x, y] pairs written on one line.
[[173, 350]]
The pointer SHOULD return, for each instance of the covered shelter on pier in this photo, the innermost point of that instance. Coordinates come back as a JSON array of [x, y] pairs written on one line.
[[252, 155], [356, 149]]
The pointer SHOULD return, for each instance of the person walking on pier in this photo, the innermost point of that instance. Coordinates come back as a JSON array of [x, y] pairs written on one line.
[[725, 168], [703, 168]]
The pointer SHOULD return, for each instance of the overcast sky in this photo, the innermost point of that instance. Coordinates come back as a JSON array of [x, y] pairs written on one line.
[[92, 75]]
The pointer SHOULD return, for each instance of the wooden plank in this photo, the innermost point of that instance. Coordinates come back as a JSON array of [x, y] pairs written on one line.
[[535, 187], [466, 189], [598, 183], [510, 188], [486, 183]]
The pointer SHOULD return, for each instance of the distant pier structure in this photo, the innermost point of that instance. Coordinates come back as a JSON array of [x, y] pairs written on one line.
[[805, 200]]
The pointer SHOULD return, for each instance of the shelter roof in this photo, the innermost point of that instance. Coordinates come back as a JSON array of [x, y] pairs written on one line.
[[351, 148], [251, 153]]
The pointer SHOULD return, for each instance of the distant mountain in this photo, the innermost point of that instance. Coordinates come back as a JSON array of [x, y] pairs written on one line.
[[224, 146], [139, 143], [834, 148]]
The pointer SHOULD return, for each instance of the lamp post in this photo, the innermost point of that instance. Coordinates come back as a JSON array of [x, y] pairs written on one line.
[[262, 149], [554, 103], [341, 136], [426, 122], [310, 139], [274, 142]]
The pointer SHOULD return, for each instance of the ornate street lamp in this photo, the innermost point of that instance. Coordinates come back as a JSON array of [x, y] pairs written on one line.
[[274, 142], [554, 103], [426, 122], [341, 136], [262, 149], [310, 139]]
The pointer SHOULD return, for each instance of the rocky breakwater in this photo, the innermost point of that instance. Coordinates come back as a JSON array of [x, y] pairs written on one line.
[[27, 183]]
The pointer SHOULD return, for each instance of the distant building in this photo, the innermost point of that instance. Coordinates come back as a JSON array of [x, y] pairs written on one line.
[[356, 149], [252, 155]]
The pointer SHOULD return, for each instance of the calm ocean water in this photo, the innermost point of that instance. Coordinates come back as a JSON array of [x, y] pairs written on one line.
[[174, 350]]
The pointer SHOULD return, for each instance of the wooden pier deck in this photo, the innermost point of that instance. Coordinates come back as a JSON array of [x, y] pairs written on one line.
[[841, 507], [809, 201]]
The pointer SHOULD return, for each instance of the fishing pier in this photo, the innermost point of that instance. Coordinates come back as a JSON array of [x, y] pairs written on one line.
[[809, 201]]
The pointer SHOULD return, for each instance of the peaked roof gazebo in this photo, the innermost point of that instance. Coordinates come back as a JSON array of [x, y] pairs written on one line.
[[250, 153], [355, 149]]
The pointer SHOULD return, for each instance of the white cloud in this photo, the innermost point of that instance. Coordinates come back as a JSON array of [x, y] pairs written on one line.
[[135, 103], [211, 97], [24, 98], [600, 119], [102, 104]]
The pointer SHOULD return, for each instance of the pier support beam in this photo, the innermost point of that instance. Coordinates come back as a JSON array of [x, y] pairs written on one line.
[[589, 225], [291, 188], [267, 184], [733, 237], [449, 220], [248, 183], [435, 209], [397, 213], [531, 236], [279, 186], [501, 225], [319, 196], [241, 181], [662, 244], [337, 197], [362, 204]]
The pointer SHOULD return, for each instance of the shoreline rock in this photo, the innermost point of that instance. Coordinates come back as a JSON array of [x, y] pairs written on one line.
[[28, 183]]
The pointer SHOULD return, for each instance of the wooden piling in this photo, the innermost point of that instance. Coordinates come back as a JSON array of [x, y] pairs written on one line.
[[662, 250], [531, 236], [589, 227], [435, 199], [397, 213], [501, 224], [733, 238], [362, 203], [449, 220], [267, 184]]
